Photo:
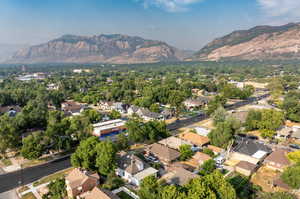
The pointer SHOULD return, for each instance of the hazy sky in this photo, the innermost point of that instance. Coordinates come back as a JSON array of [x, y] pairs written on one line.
[[186, 24]]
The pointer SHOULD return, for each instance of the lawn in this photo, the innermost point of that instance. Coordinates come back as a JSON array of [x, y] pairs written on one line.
[[28, 196], [124, 195], [52, 177], [22, 189]]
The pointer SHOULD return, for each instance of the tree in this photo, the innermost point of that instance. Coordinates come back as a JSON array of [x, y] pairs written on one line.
[[212, 186], [267, 133], [185, 152], [149, 188], [171, 192], [86, 154], [9, 135], [291, 176], [252, 120], [175, 99], [215, 104], [57, 189], [113, 182], [271, 119], [106, 157], [122, 142], [115, 114], [277, 195], [33, 146], [219, 115], [243, 187], [35, 113], [224, 132], [154, 108], [208, 152], [93, 115], [294, 156], [207, 167]]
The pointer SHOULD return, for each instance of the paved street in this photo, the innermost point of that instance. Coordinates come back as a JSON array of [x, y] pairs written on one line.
[[12, 180]]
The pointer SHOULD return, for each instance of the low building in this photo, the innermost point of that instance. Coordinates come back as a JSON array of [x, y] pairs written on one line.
[[173, 142], [165, 154], [79, 182], [133, 169], [245, 168], [202, 131], [215, 149], [296, 132], [283, 132], [109, 128], [144, 113], [178, 176], [250, 151], [198, 159], [194, 139], [196, 103], [98, 193], [10, 110], [72, 108], [277, 160]]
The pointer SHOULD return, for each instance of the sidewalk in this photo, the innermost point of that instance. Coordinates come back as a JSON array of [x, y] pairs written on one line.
[[34, 190]]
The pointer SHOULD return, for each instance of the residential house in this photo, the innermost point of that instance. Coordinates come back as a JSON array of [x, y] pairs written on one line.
[[52, 86], [144, 113], [165, 154], [105, 105], [98, 193], [72, 108], [198, 159], [284, 132], [296, 132], [120, 107], [202, 131], [10, 110], [250, 151], [133, 169], [194, 139], [109, 128], [196, 103], [215, 149], [79, 182], [277, 160], [245, 168], [178, 176], [173, 142]]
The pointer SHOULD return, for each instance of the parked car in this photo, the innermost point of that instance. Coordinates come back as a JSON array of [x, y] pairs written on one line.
[[295, 146]]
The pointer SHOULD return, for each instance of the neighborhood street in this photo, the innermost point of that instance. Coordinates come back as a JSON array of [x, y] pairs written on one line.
[[14, 179]]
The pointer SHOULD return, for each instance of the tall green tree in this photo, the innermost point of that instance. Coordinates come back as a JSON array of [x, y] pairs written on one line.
[[106, 157]]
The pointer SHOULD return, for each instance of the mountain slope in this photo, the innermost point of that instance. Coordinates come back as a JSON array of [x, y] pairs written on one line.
[[114, 48], [8, 50], [261, 42]]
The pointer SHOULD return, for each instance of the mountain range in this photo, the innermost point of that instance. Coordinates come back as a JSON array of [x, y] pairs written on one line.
[[260, 42], [115, 48]]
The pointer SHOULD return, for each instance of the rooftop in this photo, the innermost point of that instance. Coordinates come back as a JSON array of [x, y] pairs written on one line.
[[145, 173], [173, 142], [278, 156], [163, 152], [246, 165], [194, 138], [250, 147]]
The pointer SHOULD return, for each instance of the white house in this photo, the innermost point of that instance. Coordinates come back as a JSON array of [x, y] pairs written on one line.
[[133, 169]]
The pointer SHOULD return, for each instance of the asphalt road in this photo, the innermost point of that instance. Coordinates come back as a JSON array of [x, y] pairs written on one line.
[[13, 180], [25, 176]]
